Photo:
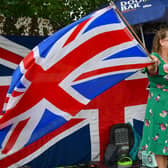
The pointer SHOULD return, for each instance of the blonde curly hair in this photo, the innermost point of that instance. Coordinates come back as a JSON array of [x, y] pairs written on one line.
[[161, 34]]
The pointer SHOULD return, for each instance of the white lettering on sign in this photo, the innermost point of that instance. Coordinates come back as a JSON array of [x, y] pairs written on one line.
[[147, 6], [131, 4]]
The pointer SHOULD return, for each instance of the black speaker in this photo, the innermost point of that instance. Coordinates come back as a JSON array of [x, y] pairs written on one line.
[[122, 135]]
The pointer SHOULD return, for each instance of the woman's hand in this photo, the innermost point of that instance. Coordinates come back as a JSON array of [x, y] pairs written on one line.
[[153, 67]]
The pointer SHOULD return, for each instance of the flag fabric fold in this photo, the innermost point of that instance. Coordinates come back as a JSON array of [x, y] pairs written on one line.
[[59, 77]]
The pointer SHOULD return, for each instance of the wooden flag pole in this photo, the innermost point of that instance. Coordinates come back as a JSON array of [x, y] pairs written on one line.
[[129, 27]]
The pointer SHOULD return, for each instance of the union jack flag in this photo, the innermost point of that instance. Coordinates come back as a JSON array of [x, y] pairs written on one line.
[[59, 77], [12, 50]]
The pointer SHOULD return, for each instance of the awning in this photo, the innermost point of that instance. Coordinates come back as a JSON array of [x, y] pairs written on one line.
[[142, 11]]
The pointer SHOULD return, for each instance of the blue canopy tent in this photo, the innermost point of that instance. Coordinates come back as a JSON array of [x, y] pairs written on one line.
[[143, 11]]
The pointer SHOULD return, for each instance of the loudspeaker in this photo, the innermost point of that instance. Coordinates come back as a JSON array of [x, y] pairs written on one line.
[[122, 134]]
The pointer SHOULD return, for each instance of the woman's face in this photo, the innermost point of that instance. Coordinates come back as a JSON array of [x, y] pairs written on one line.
[[164, 42]]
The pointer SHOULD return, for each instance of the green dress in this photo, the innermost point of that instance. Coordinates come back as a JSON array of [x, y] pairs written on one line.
[[155, 131]]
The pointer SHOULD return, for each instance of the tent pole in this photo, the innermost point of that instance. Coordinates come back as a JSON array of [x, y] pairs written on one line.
[[142, 34]]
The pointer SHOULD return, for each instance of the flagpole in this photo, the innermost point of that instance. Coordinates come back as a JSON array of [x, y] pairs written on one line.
[[142, 34], [128, 25]]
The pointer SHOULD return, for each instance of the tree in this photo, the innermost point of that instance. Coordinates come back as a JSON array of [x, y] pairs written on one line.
[[57, 14]]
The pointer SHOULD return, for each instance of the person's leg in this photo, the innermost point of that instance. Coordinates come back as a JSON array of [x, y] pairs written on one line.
[[161, 161]]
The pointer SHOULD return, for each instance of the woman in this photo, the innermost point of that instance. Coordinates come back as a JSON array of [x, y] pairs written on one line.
[[155, 132]]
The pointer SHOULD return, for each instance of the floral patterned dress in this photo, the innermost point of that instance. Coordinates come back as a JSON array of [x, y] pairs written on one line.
[[155, 132]]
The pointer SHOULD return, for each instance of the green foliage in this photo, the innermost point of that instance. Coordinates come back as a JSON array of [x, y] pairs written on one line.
[[59, 12]]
